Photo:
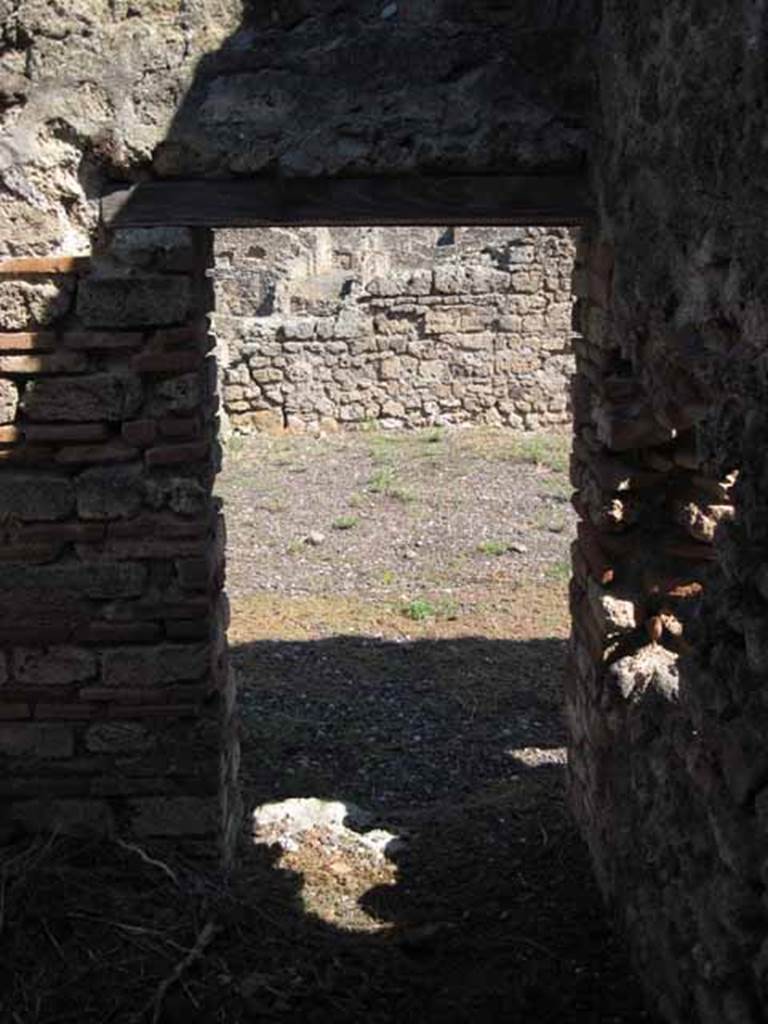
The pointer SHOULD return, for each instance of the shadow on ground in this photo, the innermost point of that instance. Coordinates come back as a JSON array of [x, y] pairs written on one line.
[[456, 746], [484, 910]]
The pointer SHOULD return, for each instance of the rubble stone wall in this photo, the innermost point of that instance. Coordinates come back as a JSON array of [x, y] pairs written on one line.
[[100, 91], [666, 700], [321, 328]]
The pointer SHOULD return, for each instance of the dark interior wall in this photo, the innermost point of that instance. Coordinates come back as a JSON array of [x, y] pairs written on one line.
[[668, 734], [681, 159]]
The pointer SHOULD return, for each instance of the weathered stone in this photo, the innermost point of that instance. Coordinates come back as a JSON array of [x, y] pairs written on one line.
[[181, 494], [47, 362], [110, 492], [64, 817], [36, 496], [104, 580], [118, 738], [176, 816], [95, 454], [55, 666], [159, 248], [652, 669], [127, 302], [33, 739], [96, 396], [154, 666], [27, 304], [178, 394], [61, 433], [9, 400], [613, 612]]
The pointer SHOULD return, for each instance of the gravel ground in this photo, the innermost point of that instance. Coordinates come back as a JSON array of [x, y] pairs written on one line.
[[399, 632], [374, 514]]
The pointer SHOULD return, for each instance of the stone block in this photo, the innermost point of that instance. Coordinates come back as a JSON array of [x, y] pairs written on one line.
[[179, 427], [35, 739], [118, 738], [158, 248], [166, 362], [9, 401], [390, 368], [139, 433], [54, 666], [96, 396], [178, 394], [176, 454], [94, 454], [176, 816], [28, 304], [56, 433], [67, 817], [155, 666], [100, 581], [181, 494], [48, 362], [613, 612], [109, 633], [125, 302], [110, 492], [36, 496]]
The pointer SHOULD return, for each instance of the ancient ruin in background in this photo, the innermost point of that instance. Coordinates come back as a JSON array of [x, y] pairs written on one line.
[[401, 327]]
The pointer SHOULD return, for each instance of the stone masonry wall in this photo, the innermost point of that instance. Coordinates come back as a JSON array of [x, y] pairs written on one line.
[[321, 328], [100, 91], [114, 693], [667, 697]]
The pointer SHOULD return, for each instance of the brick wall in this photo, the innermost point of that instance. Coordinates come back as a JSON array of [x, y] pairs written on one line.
[[113, 682], [321, 328]]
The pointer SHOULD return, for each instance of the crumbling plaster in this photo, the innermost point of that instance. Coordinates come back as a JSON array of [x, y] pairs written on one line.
[[94, 92]]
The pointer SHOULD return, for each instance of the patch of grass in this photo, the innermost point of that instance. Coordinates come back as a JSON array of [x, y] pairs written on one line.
[[558, 572], [548, 450], [345, 523], [295, 547], [420, 609], [385, 482], [557, 486], [388, 577], [382, 480], [382, 449], [493, 547]]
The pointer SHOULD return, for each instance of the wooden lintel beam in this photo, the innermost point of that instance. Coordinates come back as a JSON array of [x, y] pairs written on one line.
[[465, 200]]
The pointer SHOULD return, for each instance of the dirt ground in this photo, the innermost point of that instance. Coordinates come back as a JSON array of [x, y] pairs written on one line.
[[399, 633], [399, 625]]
